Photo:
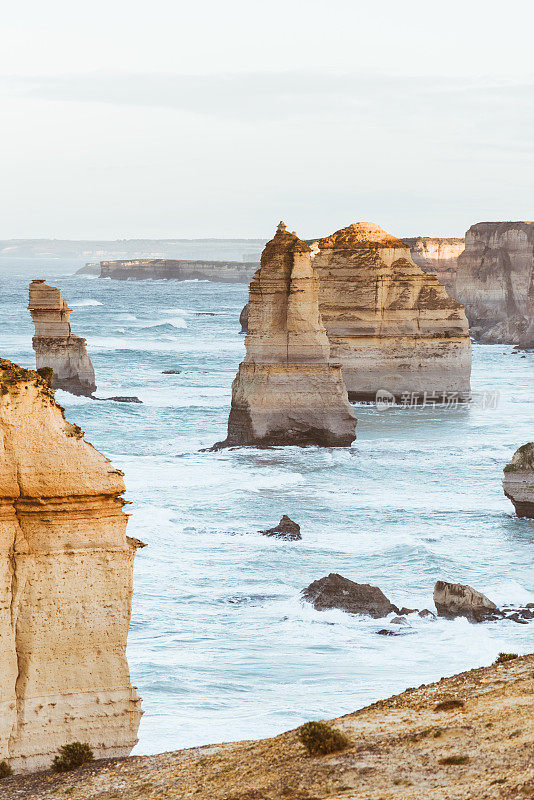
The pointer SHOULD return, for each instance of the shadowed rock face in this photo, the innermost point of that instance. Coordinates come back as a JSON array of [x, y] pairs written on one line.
[[518, 481], [495, 281], [335, 591], [390, 325], [54, 344], [438, 256], [286, 391], [65, 585]]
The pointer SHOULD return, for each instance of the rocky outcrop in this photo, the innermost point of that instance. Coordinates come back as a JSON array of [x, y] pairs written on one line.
[[459, 600], [495, 281], [243, 319], [518, 481], [335, 591], [168, 269], [286, 391], [286, 529], [390, 325], [439, 256], [65, 584], [55, 346]]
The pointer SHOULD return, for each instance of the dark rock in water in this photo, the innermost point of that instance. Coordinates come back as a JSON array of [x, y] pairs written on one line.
[[405, 610], [335, 591], [286, 529], [387, 632], [243, 319], [459, 600], [426, 613], [171, 372], [399, 621], [120, 399]]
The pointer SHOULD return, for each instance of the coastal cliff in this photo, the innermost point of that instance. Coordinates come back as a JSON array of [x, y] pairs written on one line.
[[286, 390], [65, 584], [518, 480], [390, 325], [467, 736], [438, 256], [167, 269], [54, 344], [495, 281]]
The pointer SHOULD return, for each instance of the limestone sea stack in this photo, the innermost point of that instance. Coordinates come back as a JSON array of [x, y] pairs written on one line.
[[518, 481], [390, 325], [495, 281], [65, 584], [54, 344], [286, 391]]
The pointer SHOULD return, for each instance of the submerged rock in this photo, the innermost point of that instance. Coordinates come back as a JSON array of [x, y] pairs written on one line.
[[287, 392], [286, 529], [54, 344], [335, 591], [460, 600], [518, 481], [66, 569]]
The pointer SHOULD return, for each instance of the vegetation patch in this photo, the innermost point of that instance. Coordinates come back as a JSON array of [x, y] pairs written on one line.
[[319, 738], [72, 756], [5, 770], [502, 658], [454, 760], [449, 705]]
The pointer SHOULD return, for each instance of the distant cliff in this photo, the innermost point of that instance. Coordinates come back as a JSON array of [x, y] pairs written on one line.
[[495, 281], [439, 256], [168, 269]]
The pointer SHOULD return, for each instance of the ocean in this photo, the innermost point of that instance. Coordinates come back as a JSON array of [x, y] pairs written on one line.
[[221, 647]]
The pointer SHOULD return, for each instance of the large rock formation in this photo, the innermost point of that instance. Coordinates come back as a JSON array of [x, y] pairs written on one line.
[[495, 281], [286, 390], [335, 591], [65, 584], [460, 600], [439, 256], [54, 344], [518, 481], [390, 325]]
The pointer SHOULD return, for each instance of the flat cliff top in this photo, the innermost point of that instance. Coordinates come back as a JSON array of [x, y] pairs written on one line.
[[480, 745]]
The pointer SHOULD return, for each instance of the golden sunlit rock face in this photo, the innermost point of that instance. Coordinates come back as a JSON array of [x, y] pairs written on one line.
[[65, 584], [54, 344], [287, 391], [390, 325], [495, 280]]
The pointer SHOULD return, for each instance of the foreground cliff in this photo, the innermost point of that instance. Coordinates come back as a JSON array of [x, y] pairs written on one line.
[[54, 344], [495, 281], [65, 584], [390, 325], [286, 391], [518, 480], [469, 736]]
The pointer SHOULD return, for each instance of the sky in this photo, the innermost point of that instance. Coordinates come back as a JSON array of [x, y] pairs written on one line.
[[170, 119]]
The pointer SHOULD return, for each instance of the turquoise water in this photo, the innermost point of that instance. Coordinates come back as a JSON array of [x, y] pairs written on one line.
[[221, 646]]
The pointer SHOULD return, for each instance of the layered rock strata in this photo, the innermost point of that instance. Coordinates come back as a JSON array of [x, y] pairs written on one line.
[[518, 481], [390, 325], [286, 390], [65, 584], [54, 344], [495, 281], [439, 256]]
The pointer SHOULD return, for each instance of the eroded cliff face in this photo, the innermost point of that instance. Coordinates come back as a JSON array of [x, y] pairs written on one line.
[[286, 390], [389, 324], [495, 281], [439, 256], [54, 344], [518, 480], [65, 584]]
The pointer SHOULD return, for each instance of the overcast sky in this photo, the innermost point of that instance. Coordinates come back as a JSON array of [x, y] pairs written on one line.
[[130, 118]]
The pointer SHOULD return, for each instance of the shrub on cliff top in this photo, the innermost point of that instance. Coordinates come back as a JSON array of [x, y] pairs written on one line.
[[5, 770], [502, 658], [71, 756], [319, 738]]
